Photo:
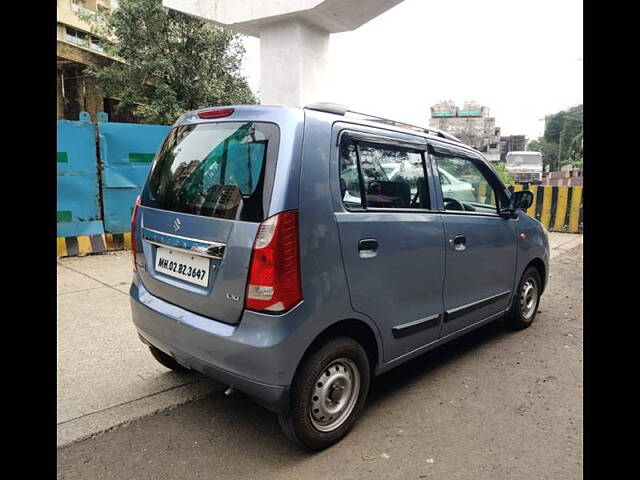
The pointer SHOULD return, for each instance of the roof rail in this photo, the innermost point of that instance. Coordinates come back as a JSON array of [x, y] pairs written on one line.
[[328, 107], [339, 109]]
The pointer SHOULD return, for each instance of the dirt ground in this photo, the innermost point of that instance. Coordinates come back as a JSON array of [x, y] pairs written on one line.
[[492, 405]]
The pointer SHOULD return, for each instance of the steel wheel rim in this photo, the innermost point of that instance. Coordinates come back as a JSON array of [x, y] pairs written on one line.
[[529, 298], [334, 395]]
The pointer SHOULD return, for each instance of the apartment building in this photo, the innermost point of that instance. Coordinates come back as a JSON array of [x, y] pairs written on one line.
[[472, 124], [77, 48], [512, 143]]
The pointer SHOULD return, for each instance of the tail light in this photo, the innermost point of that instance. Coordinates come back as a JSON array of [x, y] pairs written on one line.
[[274, 272], [133, 232]]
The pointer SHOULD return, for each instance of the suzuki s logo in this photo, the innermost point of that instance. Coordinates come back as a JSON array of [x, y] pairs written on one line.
[[176, 225]]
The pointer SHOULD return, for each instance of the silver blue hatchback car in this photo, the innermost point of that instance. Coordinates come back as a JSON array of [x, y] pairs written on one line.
[[294, 254]]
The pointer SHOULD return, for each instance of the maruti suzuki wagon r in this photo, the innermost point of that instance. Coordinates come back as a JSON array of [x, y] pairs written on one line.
[[294, 254]]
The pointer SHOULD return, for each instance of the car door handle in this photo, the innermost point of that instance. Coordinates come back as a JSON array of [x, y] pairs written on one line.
[[368, 247], [459, 242]]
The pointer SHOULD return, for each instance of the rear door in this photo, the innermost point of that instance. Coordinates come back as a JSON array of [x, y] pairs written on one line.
[[481, 244], [392, 242], [207, 191]]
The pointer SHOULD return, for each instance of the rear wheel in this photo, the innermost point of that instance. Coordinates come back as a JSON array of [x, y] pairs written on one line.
[[525, 305], [167, 360], [328, 393]]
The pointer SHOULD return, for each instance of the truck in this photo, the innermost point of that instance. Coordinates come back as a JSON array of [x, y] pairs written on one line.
[[524, 167]]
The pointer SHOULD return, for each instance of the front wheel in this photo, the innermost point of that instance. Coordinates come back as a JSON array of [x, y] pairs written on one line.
[[327, 395], [525, 305]]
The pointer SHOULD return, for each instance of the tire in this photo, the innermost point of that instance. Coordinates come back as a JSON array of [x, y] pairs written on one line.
[[344, 394], [525, 305], [167, 361]]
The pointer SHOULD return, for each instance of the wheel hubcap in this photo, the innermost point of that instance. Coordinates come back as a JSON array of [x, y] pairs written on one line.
[[529, 298], [334, 395]]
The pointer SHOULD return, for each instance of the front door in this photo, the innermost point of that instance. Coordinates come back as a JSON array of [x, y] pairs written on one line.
[[392, 241], [480, 244]]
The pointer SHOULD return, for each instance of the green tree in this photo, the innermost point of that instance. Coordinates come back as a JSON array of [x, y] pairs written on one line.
[[500, 169], [563, 137], [575, 150], [548, 150], [553, 125], [169, 62]]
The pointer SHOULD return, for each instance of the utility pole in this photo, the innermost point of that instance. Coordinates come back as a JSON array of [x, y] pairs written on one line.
[[559, 151]]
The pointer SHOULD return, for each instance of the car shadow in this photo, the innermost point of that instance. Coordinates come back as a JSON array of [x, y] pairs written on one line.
[[425, 365], [244, 415]]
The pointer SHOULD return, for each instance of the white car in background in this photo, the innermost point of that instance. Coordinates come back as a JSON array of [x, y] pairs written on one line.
[[451, 186]]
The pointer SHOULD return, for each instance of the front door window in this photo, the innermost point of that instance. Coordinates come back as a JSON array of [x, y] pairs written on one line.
[[465, 187]]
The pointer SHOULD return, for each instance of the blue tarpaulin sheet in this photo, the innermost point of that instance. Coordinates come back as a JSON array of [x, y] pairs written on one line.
[[126, 153], [78, 192]]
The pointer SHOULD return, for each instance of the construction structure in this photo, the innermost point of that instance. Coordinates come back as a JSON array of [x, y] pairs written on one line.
[[472, 124], [512, 143], [294, 38], [77, 48]]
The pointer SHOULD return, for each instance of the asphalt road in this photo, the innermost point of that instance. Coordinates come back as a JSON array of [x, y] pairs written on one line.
[[492, 405]]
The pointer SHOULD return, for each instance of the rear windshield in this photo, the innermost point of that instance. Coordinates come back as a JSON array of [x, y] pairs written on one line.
[[215, 170]]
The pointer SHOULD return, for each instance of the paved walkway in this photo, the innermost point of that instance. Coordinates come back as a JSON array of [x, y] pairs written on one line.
[[561, 242], [106, 376]]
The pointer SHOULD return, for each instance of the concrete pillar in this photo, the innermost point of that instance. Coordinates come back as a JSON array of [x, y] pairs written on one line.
[[294, 38], [293, 63]]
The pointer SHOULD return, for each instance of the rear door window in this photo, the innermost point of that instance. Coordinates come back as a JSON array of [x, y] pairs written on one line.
[[389, 176], [215, 170]]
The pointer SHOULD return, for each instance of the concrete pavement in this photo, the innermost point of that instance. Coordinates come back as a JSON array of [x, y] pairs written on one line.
[[563, 242], [106, 376]]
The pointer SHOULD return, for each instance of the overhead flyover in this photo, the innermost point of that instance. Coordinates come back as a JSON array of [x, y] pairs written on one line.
[[294, 38]]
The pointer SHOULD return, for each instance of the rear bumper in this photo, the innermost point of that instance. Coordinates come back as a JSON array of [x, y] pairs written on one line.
[[226, 353]]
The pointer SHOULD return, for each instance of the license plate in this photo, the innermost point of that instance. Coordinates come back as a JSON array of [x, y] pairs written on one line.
[[190, 268]]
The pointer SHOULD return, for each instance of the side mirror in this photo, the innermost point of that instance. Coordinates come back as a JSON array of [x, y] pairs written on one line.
[[521, 200]]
